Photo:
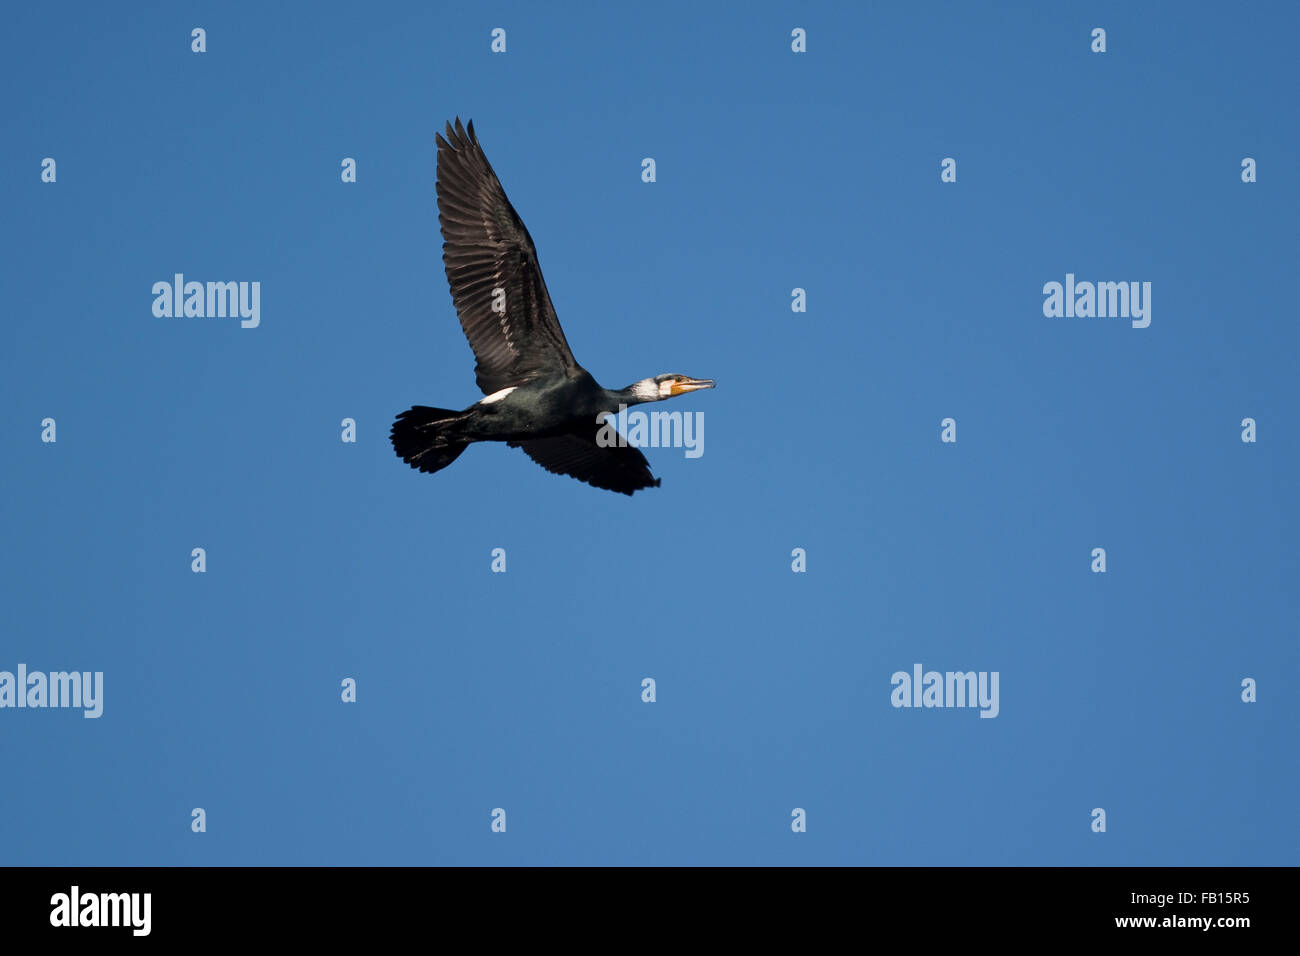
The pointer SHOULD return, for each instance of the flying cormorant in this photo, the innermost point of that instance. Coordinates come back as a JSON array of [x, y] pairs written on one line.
[[538, 397]]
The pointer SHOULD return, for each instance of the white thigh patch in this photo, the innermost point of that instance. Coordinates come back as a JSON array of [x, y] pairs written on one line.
[[497, 396]]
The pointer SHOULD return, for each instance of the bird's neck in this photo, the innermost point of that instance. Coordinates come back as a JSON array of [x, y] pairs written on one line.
[[635, 394]]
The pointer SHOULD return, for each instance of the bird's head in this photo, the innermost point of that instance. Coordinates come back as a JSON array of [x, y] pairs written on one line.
[[666, 386]]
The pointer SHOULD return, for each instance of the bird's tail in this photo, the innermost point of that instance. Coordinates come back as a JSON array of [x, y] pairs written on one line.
[[420, 438]]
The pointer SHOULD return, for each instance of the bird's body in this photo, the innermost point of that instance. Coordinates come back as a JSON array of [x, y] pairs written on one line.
[[536, 396], [538, 409]]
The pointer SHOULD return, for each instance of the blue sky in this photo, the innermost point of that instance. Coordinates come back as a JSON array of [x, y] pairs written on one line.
[[522, 690]]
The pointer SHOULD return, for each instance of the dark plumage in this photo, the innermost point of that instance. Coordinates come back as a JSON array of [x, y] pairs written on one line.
[[538, 397]]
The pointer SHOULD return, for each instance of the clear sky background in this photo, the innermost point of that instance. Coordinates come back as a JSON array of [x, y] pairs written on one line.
[[522, 690]]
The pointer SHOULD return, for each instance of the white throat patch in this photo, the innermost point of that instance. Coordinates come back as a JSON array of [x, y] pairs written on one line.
[[649, 391]]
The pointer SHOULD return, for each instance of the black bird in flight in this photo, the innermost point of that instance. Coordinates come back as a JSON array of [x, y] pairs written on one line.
[[538, 397]]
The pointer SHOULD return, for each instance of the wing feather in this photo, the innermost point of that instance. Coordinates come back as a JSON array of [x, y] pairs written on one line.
[[486, 247], [620, 468]]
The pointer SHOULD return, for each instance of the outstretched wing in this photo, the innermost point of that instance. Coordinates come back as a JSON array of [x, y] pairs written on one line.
[[620, 468], [496, 283]]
